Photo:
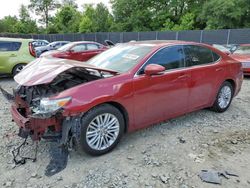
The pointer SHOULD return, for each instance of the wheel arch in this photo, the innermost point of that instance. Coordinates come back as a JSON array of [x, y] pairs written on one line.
[[16, 64], [232, 82], [123, 111]]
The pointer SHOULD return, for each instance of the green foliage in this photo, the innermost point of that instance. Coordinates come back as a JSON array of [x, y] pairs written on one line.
[[95, 19], [8, 23], [132, 15], [25, 24], [221, 14], [43, 8], [67, 19]]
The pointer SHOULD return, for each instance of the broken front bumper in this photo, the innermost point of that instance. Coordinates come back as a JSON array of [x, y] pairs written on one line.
[[35, 127]]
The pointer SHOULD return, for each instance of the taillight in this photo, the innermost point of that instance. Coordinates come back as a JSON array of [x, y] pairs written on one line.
[[32, 50]]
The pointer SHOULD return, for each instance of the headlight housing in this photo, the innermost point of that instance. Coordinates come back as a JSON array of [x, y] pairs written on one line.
[[51, 105]]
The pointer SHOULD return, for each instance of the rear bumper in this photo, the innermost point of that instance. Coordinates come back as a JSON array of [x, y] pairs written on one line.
[[246, 71], [36, 127]]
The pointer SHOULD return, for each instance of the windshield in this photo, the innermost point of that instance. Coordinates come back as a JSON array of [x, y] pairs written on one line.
[[242, 50], [121, 58], [65, 47]]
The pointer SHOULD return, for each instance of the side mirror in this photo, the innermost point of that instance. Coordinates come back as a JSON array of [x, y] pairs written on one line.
[[154, 69]]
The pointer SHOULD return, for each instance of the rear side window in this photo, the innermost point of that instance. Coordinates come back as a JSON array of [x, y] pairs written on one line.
[[9, 46], [197, 55], [92, 47], [169, 57]]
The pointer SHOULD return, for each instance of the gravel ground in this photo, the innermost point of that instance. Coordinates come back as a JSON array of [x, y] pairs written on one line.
[[170, 154]]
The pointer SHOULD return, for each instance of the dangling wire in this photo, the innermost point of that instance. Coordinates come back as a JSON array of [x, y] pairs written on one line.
[[16, 154]]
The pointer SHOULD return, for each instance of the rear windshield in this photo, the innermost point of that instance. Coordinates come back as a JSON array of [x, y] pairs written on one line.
[[242, 50], [6, 46]]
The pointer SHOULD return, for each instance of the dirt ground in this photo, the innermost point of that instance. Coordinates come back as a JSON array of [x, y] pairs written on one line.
[[170, 154]]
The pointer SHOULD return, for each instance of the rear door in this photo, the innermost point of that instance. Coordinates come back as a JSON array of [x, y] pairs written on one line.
[[92, 50], [206, 73], [163, 96], [8, 55]]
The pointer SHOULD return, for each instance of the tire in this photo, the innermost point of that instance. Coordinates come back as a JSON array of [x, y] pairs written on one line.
[[219, 105], [18, 69], [88, 125]]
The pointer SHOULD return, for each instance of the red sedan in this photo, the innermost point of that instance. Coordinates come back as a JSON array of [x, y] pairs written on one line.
[[80, 51], [130, 86], [242, 54]]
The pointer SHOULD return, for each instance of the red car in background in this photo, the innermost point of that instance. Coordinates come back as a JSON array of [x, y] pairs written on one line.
[[128, 87], [242, 54], [80, 51]]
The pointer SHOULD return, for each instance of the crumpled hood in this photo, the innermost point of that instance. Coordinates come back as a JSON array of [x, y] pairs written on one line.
[[44, 70]]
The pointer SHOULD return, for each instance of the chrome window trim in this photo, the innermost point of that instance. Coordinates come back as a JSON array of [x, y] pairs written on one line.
[[185, 65]]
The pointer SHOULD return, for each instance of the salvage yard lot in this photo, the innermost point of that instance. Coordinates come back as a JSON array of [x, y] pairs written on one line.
[[170, 154]]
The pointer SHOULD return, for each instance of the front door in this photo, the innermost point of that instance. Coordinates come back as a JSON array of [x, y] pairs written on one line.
[[164, 96]]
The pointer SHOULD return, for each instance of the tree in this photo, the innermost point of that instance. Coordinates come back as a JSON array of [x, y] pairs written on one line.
[[133, 15], [71, 3], [43, 8], [221, 14], [25, 24], [67, 19], [8, 24], [95, 19]]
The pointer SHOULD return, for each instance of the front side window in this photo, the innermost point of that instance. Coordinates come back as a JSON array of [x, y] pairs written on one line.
[[197, 55], [79, 48], [9, 46], [169, 57]]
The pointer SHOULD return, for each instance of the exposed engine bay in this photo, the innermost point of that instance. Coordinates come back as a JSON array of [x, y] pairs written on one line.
[[68, 79]]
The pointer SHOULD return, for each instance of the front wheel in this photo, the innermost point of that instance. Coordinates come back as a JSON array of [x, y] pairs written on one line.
[[224, 98], [101, 130]]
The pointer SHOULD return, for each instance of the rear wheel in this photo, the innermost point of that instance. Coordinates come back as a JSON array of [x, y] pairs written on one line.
[[18, 69], [101, 130], [224, 97]]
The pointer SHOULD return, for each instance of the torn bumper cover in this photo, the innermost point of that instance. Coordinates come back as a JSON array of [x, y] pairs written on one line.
[[35, 127]]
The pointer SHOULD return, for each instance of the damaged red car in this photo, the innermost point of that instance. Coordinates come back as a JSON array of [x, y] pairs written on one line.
[[128, 87]]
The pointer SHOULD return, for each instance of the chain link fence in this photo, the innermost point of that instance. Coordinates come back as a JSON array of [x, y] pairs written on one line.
[[229, 36]]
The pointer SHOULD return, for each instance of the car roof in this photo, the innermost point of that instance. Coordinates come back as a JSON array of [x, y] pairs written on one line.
[[15, 39], [83, 42], [159, 43]]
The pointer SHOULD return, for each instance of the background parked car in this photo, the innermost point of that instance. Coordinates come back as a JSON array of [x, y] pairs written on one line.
[[14, 54], [242, 54], [50, 46], [80, 51], [38, 42], [222, 48]]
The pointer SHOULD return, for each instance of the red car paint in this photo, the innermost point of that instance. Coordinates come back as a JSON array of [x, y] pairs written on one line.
[[146, 100], [244, 59], [83, 54]]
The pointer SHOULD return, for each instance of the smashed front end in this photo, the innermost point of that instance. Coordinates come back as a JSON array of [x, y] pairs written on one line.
[[39, 116]]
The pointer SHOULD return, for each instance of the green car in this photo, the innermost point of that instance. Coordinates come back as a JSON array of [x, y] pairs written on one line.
[[14, 55]]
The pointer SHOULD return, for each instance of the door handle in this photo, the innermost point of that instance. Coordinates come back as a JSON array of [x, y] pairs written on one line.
[[219, 69], [183, 76]]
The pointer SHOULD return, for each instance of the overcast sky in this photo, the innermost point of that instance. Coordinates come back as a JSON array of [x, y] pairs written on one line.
[[11, 7]]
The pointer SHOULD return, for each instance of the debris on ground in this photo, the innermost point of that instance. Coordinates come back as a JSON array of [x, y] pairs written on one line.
[[213, 176]]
